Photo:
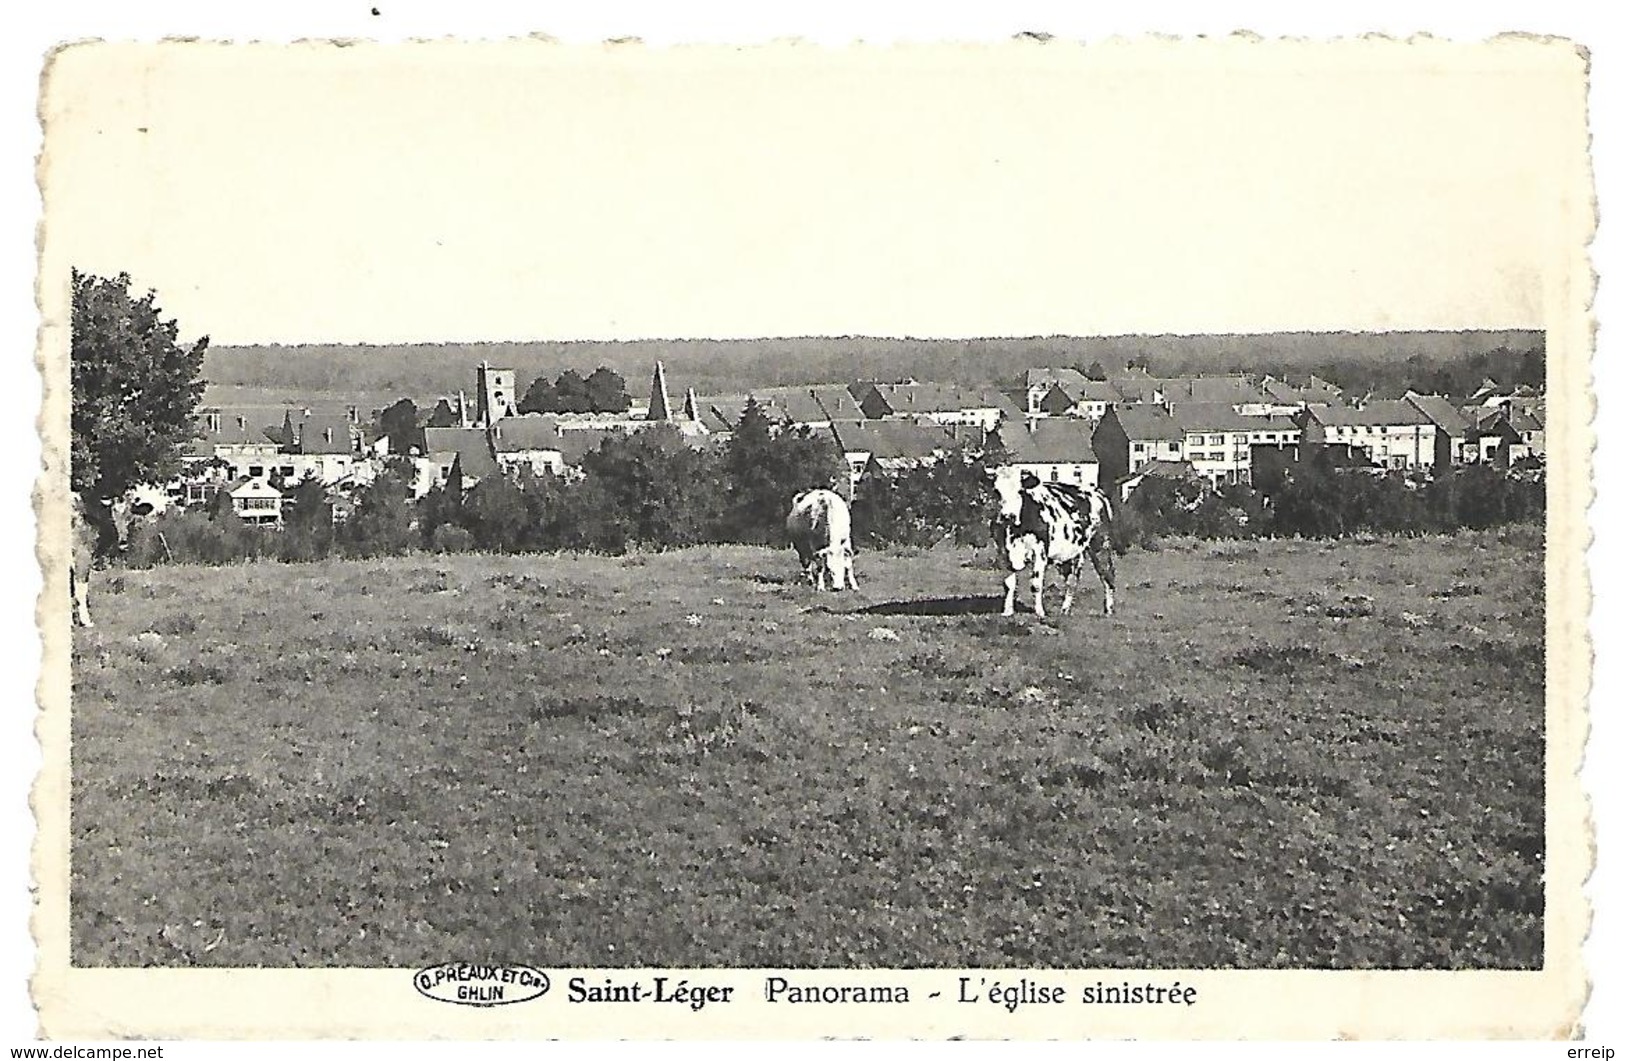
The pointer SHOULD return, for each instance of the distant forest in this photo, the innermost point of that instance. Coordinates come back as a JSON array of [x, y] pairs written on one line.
[[1384, 364]]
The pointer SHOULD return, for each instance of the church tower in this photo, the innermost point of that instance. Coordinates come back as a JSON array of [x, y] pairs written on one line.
[[659, 398], [494, 394]]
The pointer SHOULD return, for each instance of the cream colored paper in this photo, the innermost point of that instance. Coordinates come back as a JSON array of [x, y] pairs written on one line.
[[393, 193]]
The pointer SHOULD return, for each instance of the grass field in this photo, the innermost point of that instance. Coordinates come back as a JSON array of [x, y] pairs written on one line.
[[1275, 754]]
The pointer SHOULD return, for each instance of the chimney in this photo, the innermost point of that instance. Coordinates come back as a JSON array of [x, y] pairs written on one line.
[[462, 410]]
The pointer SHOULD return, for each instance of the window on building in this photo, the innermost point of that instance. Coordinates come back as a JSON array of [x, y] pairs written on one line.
[[256, 470], [1139, 447]]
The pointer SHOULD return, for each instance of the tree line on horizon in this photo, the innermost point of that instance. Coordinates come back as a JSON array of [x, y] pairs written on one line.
[[1386, 365]]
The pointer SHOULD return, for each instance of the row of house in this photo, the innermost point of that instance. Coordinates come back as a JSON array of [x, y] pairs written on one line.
[[1059, 425]]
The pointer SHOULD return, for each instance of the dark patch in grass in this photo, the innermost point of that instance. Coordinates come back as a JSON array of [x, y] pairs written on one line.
[[1156, 715], [1516, 655], [523, 582], [936, 606], [437, 636], [938, 664], [1085, 773], [1352, 607], [586, 707], [177, 623], [196, 674], [186, 787], [733, 652], [1271, 659]]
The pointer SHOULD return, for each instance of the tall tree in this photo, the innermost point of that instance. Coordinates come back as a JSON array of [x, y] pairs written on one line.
[[400, 423], [606, 391], [571, 393], [135, 389], [540, 398]]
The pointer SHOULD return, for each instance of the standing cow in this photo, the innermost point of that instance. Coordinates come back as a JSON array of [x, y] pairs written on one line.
[[103, 529], [820, 528], [82, 535], [1043, 523]]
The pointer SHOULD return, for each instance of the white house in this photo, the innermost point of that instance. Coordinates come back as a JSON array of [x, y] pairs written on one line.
[[256, 501]]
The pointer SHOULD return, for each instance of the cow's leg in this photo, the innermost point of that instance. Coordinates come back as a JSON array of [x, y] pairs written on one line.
[[1101, 556], [851, 570], [80, 595], [1038, 586], [1010, 593], [1068, 570]]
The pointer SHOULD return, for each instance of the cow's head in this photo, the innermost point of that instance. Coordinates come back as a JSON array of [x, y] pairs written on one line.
[[114, 519], [838, 561], [1009, 483]]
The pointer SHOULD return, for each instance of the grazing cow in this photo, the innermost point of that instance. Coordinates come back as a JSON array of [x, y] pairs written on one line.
[[820, 528], [1043, 523]]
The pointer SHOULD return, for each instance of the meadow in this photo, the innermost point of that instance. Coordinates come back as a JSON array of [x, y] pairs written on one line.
[[1276, 754]]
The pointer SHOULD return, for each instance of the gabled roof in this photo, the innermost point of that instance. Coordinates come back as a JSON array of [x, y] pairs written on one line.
[[1439, 410], [1216, 416], [1316, 390], [245, 485], [906, 398], [722, 411], [240, 425], [473, 449], [1044, 377], [1232, 390], [1524, 420], [812, 404], [1148, 422], [894, 439], [1170, 469], [530, 431], [1384, 412], [326, 433], [1048, 441]]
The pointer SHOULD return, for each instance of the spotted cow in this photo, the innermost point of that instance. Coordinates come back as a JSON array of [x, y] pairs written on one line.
[[1039, 524], [820, 529], [96, 529]]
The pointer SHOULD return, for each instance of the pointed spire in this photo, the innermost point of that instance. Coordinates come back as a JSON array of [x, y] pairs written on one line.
[[691, 406], [659, 397]]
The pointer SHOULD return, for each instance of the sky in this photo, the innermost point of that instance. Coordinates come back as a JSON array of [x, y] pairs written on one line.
[[524, 190], [373, 281]]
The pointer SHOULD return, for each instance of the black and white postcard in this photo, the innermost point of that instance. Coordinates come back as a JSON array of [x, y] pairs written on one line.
[[1039, 540]]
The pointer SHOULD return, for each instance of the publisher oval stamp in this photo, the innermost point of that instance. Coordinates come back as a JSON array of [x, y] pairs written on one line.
[[473, 984]]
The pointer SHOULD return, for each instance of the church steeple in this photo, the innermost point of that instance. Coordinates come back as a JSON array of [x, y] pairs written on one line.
[[659, 398]]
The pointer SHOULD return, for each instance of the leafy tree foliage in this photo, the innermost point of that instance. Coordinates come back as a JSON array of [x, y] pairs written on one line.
[[400, 423], [765, 468], [381, 524], [443, 415], [540, 397], [135, 388], [602, 392], [606, 392]]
